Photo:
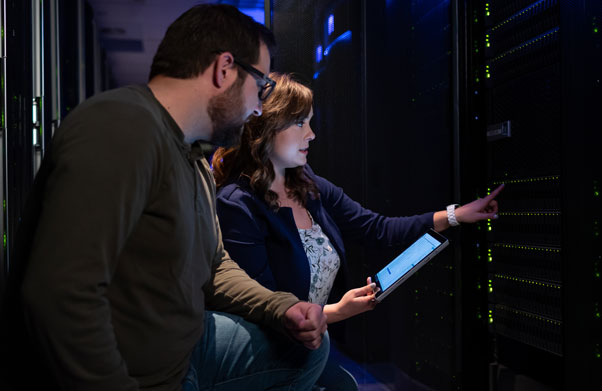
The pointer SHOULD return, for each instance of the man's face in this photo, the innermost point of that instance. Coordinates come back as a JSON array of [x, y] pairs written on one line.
[[231, 109], [226, 113]]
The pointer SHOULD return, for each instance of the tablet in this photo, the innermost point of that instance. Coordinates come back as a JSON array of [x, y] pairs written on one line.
[[408, 262]]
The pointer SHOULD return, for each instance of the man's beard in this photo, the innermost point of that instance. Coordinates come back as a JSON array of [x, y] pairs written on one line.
[[226, 111]]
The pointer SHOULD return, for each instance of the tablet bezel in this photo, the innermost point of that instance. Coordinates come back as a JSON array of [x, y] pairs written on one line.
[[381, 294]]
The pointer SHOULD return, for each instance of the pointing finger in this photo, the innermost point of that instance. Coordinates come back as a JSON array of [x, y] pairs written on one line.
[[495, 192]]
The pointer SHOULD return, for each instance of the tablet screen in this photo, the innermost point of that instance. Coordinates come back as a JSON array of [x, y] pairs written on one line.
[[412, 256]]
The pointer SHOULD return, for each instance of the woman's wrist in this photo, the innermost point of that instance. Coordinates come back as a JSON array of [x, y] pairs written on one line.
[[332, 313], [440, 221]]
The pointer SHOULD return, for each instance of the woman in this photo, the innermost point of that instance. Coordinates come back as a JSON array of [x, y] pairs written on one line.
[[285, 225]]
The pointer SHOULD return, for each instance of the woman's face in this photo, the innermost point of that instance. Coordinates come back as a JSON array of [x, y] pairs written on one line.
[[291, 145]]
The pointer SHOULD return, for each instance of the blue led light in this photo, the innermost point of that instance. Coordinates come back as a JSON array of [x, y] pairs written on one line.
[[346, 36], [317, 74], [319, 53], [330, 24], [538, 40]]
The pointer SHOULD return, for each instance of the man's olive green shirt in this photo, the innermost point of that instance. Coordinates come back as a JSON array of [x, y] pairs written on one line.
[[128, 251]]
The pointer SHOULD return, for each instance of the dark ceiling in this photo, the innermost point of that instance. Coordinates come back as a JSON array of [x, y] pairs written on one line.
[[130, 31]]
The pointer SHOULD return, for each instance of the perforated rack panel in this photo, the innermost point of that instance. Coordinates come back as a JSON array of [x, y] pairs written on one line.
[[534, 96]]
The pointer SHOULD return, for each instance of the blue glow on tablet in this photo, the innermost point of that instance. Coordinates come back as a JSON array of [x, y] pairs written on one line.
[[398, 267]]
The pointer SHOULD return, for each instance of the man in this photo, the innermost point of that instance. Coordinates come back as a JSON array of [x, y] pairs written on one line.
[[127, 250]]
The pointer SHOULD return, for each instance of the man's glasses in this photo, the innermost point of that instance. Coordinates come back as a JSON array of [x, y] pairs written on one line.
[[265, 84]]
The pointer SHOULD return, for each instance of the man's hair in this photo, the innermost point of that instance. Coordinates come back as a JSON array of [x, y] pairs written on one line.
[[192, 42], [289, 103]]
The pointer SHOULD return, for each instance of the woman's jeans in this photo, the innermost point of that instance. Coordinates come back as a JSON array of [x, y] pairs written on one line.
[[236, 355]]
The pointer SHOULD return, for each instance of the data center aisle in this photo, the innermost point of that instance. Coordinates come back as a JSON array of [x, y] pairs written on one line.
[[383, 376]]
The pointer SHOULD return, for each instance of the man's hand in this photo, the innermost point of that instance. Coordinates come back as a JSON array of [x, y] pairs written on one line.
[[306, 323]]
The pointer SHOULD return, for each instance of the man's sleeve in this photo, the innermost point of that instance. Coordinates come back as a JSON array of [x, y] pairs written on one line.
[[102, 174]]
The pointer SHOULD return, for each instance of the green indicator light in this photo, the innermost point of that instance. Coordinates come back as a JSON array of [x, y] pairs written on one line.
[[595, 30], [477, 80], [476, 20], [4, 240], [416, 314], [479, 316], [597, 274], [490, 320], [596, 193], [479, 286], [598, 315], [488, 228], [490, 259], [488, 44], [488, 75], [597, 355], [488, 13]]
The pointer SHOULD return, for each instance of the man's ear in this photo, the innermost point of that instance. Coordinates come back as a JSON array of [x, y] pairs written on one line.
[[223, 70]]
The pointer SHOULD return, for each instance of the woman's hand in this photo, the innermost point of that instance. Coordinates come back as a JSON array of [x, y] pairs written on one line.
[[479, 209], [354, 302]]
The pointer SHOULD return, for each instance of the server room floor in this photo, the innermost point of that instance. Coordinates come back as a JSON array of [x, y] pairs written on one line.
[[380, 376]]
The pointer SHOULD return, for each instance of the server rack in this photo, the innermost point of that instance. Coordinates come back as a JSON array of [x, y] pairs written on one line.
[[3, 108], [44, 76], [18, 125], [531, 96]]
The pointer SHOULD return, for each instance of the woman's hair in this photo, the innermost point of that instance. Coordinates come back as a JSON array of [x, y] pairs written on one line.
[[289, 103]]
